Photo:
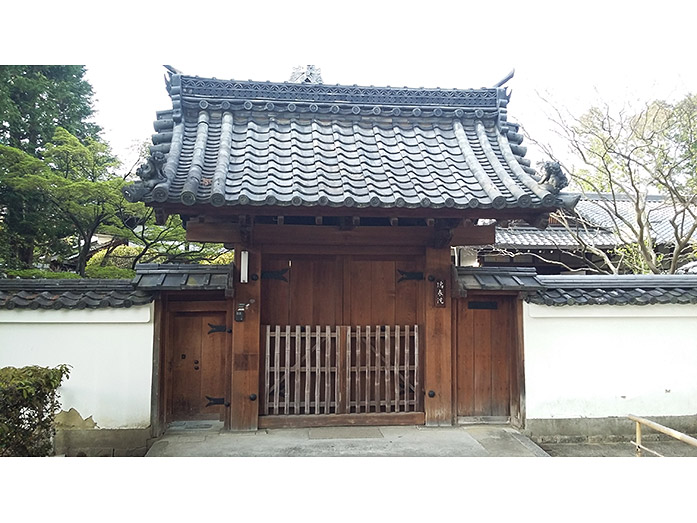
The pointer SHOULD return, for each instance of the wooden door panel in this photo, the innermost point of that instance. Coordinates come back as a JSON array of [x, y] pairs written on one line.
[[213, 365], [481, 325], [186, 350], [502, 342], [197, 362], [465, 361], [485, 350]]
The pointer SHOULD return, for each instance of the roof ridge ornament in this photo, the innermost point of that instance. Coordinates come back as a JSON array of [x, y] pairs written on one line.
[[308, 74]]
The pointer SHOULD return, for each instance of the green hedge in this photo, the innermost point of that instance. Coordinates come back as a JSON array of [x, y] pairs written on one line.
[[109, 272], [39, 273], [28, 406]]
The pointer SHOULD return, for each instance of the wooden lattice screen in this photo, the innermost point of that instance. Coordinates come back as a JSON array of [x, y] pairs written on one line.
[[340, 370]]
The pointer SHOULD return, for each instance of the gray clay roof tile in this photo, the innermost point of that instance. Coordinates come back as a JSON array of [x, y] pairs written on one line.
[[260, 143], [70, 294], [615, 290]]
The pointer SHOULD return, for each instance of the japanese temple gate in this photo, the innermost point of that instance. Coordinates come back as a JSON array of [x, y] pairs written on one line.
[[341, 204]]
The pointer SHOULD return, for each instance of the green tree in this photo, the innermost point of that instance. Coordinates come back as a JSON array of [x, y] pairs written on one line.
[[35, 99], [28, 220]]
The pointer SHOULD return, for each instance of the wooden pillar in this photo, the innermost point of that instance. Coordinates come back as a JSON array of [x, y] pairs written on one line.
[[437, 339], [246, 349]]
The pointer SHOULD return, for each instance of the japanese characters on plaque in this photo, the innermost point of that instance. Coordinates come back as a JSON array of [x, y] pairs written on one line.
[[440, 293]]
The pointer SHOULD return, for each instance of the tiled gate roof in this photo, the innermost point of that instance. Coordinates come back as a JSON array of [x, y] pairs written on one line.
[[229, 143]]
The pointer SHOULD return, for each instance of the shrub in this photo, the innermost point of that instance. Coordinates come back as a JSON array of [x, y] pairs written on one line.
[[109, 272], [39, 273], [28, 406]]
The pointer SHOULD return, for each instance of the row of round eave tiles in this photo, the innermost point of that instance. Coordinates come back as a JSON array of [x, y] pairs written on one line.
[[355, 109]]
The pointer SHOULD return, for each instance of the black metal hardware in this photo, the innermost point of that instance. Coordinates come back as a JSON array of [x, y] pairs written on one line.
[[195, 362], [406, 275], [431, 394], [253, 397], [274, 275], [483, 305], [239, 314], [254, 277], [431, 277], [218, 328], [183, 356], [216, 401], [196, 367]]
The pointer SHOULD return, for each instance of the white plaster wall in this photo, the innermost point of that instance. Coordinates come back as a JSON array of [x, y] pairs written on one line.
[[110, 352], [599, 361]]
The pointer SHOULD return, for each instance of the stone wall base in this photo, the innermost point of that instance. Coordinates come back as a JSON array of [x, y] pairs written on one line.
[[102, 442], [596, 430]]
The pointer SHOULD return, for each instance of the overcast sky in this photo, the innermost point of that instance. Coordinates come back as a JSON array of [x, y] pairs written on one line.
[[572, 53]]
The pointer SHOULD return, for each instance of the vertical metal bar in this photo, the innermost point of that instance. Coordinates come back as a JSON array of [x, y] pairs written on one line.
[[286, 374], [297, 367], [396, 368], [276, 368], [308, 367], [417, 370], [267, 370], [318, 367]]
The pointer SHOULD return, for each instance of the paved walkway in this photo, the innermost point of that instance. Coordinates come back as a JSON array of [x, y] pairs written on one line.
[[206, 439]]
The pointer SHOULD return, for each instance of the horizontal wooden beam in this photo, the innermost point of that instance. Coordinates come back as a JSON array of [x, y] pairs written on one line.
[[341, 420], [264, 234], [367, 212]]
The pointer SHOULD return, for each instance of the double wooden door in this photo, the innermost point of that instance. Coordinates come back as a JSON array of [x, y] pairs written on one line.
[[197, 345]]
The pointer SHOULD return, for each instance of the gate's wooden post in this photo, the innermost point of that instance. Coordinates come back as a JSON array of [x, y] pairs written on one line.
[[437, 338], [246, 349]]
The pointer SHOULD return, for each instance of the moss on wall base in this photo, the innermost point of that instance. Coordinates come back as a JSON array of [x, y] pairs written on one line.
[[102, 442]]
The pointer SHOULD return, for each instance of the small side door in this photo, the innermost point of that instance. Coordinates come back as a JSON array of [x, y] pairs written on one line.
[[197, 363]]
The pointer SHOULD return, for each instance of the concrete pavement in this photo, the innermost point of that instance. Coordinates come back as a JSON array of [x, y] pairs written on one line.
[[206, 439]]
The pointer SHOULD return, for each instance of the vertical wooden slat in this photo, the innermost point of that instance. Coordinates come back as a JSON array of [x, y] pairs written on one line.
[[388, 368], [297, 367], [396, 367], [347, 398], [337, 365], [327, 371], [267, 370], [378, 373], [417, 370], [367, 368], [318, 366], [358, 369], [286, 373], [407, 363], [276, 368], [308, 367]]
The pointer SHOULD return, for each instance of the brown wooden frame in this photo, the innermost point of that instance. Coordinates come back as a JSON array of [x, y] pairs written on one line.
[[163, 376], [516, 364]]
